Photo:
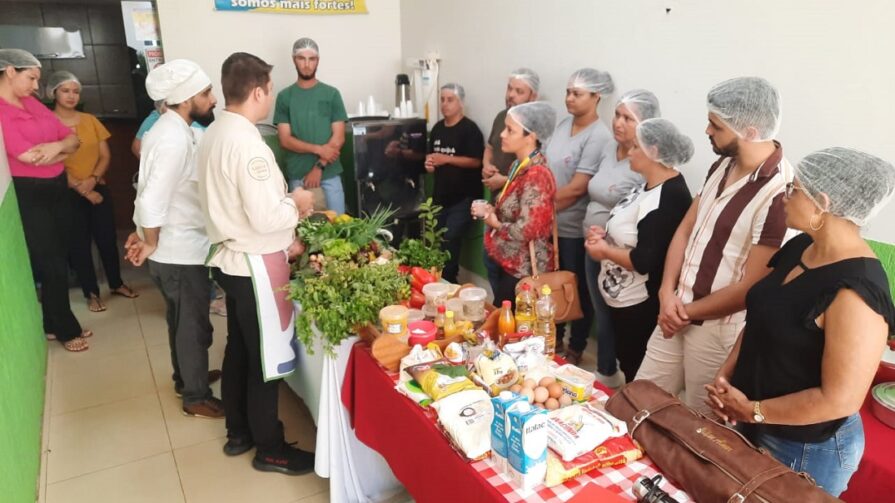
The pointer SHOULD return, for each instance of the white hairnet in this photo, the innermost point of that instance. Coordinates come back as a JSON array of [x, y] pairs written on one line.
[[746, 102], [536, 117], [527, 75], [591, 80], [57, 79], [17, 58], [858, 184], [642, 103], [305, 44], [456, 89], [176, 81], [661, 141]]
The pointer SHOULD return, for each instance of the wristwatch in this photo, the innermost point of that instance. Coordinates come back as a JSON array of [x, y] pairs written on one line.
[[757, 416]]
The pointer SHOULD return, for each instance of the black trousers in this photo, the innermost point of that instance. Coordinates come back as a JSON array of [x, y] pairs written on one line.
[[506, 288], [456, 219], [185, 290], [633, 327], [571, 258], [251, 405], [44, 207], [94, 223]]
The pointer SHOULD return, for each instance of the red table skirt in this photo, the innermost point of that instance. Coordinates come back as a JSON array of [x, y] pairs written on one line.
[[413, 446], [875, 479]]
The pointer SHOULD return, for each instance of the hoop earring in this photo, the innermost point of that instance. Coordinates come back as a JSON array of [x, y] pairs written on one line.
[[811, 222]]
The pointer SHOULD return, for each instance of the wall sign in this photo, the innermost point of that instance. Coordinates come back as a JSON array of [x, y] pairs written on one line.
[[294, 6]]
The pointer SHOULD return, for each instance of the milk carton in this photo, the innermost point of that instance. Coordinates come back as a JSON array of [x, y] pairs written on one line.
[[500, 427], [527, 448]]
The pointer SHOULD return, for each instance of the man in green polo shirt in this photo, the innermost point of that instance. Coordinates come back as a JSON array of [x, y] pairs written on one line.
[[310, 118]]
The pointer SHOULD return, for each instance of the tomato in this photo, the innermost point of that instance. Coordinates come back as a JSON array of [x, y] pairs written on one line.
[[404, 269], [424, 276], [417, 300], [416, 284], [405, 303]]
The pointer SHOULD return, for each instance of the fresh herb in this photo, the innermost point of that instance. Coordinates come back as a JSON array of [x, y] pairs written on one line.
[[359, 232], [426, 252], [344, 296]]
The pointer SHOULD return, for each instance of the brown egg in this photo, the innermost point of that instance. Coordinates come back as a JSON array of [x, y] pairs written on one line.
[[539, 405], [516, 388], [528, 394], [541, 394], [555, 390], [546, 381], [565, 400], [530, 384], [551, 404]]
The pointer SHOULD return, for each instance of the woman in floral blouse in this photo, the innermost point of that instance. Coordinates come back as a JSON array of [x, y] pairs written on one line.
[[523, 210]]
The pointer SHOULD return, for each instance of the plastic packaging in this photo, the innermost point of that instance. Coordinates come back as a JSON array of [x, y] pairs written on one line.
[[421, 332], [497, 371], [525, 309], [545, 326], [579, 428], [394, 320], [415, 315], [439, 379], [436, 295], [467, 417], [455, 305], [473, 304], [576, 382]]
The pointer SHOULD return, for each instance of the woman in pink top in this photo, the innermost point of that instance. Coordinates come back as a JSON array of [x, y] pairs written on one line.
[[36, 144]]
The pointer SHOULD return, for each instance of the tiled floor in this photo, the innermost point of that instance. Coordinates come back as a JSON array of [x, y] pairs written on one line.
[[115, 432]]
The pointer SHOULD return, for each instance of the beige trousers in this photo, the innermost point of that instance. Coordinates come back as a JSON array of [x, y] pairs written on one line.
[[689, 360]]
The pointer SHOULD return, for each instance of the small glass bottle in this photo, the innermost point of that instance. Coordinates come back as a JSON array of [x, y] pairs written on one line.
[[439, 322]]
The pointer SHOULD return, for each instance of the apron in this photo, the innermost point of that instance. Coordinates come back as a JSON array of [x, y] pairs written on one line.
[[276, 314]]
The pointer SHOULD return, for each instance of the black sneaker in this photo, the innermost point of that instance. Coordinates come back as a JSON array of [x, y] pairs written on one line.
[[213, 376], [288, 460], [238, 445]]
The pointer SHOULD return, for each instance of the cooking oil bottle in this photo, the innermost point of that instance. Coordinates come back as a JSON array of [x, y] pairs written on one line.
[[545, 326]]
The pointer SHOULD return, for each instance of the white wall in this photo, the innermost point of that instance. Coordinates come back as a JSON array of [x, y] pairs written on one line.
[[831, 60], [359, 54]]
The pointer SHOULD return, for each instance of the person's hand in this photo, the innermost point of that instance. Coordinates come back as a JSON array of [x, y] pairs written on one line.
[[489, 170], [94, 197], [45, 152], [439, 159], [595, 231], [312, 179], [86, 185], [328, 153], [495, 182], [430, 165], [137, 250], [672, 314], [295, 249], [304, 201], [728, 403], [596, 247], [481, 211]]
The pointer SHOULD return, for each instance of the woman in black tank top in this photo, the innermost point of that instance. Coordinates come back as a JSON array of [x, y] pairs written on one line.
[[816, 326]]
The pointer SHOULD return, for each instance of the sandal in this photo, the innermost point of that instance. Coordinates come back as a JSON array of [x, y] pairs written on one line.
[[51, 337], [126, 292], [76, 345], [86, 333], [94, 305]]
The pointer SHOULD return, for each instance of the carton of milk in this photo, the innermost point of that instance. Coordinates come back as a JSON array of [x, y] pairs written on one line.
[[527, 449], [500, 427]]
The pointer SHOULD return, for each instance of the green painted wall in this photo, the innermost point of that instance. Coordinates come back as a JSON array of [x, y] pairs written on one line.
[[23, 357]]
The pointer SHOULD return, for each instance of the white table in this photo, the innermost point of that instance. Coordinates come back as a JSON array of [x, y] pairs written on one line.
[[356, 473]]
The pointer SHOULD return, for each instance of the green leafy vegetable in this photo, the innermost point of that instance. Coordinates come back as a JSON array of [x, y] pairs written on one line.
[[426, 252]]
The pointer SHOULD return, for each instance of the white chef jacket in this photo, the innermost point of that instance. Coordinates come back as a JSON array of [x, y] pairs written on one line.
[[168, 192], [243, 195]]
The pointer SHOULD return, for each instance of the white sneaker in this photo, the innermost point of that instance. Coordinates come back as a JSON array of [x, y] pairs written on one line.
[[614, 381]]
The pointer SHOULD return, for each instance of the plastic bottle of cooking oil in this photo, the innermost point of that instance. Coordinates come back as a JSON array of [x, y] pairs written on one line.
[[545, 310], [451, 327], [525, 309]]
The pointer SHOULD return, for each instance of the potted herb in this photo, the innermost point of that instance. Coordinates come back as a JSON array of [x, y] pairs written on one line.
[[426, 251]]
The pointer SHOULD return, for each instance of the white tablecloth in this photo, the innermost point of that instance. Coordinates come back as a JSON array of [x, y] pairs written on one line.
[[356, 473]]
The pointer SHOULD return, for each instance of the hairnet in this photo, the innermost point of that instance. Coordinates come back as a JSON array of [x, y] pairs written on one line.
[[642, 103], [57, 79], [17, 58], [303, 44], [456, 89], [591, 80], [746, 102], [858, 184], [536, 117], [661, 141], [527, 75], [176, 81]]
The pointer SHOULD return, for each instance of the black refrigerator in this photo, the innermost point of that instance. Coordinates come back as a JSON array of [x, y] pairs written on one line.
[[389, 157]]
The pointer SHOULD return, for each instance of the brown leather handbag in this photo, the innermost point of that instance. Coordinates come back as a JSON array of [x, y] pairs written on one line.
[[710, 461], [563, 284]]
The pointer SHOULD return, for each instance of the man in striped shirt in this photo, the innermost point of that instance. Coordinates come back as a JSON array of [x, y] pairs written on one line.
[[723, 245]]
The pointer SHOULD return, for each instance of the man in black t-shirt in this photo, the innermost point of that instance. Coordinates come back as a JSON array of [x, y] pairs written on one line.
[[456, 146]]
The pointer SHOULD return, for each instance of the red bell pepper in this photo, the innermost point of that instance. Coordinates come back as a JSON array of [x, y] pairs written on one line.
[[417, 299], [416, 284], [424, 276]]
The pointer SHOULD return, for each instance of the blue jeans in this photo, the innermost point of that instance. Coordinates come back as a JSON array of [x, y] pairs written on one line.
[[571, 258], [332, 191], [606, 363], [831, 463], [456, 219]]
